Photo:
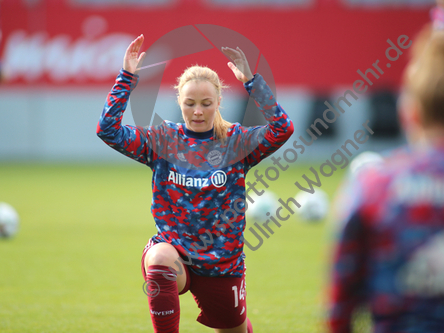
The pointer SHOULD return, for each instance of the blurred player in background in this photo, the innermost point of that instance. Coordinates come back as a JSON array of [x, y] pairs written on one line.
[[186, 202], [390, 253]]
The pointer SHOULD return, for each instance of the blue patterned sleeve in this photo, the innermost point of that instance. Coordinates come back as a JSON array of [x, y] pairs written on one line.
[[132, 141], [262, 141], [349, 270]]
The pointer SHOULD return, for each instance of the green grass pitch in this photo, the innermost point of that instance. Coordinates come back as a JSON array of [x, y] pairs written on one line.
[[75, 264]]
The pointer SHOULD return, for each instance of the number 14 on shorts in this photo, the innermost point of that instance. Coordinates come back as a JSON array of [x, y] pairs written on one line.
[[238, 294]]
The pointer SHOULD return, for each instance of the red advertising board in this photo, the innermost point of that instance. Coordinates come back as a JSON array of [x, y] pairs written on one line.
[[69, 43]]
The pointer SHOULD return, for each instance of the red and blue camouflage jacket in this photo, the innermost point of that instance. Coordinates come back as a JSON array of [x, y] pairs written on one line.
[[390, 252], [198, 183]]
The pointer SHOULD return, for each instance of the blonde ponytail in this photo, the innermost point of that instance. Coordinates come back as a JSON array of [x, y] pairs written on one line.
[[424, 78], [221, 126]]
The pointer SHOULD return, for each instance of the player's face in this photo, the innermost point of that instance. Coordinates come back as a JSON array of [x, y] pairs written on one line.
[[199, 102]]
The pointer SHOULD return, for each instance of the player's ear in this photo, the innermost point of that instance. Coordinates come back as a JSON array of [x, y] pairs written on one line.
[[415, 114], [410, 118], [407, 112]]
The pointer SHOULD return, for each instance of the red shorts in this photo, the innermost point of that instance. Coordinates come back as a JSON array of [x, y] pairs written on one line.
[[222, 300]]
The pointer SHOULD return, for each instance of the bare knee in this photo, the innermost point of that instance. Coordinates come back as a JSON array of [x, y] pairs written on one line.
[[161, 254]]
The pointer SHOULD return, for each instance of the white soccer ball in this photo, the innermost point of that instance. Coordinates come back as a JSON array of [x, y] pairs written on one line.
[[314, 207], [266, 203], [9, 220], [365, 160]]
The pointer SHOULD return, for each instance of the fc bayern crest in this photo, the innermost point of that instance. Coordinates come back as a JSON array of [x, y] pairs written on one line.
[[214, 157], [181, 157]]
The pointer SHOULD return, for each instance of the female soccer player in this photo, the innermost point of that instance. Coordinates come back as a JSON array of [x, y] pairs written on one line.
[[199, 170], [390, 249]]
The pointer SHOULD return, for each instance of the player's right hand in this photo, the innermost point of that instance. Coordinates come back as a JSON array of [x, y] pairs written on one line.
[[132, 57]]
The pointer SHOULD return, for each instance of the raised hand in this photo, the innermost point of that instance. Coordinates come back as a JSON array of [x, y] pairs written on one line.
[[240, 67], [132, 57]]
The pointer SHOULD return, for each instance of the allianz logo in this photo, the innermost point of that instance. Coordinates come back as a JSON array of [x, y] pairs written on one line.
[[218, 179]]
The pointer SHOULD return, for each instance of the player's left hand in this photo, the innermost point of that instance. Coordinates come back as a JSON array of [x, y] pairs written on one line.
[[240, 67]]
